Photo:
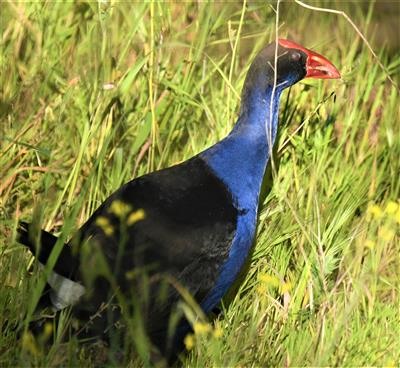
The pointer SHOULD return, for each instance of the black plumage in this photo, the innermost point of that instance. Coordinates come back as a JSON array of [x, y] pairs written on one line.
[[185, 222]]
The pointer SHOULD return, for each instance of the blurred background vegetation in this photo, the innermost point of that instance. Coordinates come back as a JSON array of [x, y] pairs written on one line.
[[96, 93]]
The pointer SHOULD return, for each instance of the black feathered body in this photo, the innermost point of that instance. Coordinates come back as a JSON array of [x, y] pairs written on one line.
[[178, 222], [186, 224]]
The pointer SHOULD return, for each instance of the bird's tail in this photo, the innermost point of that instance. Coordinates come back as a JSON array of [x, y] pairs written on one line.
[[47, 241], [64, 289]]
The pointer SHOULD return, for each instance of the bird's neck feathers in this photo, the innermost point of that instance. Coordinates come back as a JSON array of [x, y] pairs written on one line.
[[240, 159]]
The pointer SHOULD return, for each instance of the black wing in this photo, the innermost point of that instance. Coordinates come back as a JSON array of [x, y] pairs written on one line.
[[180, 220]]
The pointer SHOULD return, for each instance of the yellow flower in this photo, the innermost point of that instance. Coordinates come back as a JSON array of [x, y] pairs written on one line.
[[105, 225], [189, 341], [391, 208], [370, 244], [261, 289], [386, 233], [374, 211], [48, 330], [218, 332], [285, 287], [269, 280], [29, 344], [136, 216], [201, 328], [119, 208]]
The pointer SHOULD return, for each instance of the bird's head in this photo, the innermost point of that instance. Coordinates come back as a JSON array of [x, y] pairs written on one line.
[[293, 63]]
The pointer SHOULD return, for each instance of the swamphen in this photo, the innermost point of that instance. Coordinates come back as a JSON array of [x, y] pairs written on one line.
[[193, 223]]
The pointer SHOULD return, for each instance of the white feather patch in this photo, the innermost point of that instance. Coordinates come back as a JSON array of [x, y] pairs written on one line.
[[64, 292]]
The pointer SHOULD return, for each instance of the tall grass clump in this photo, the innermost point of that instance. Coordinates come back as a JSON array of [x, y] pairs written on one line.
[[95, 94]]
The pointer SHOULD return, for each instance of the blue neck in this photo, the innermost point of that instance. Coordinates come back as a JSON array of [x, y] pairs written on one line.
[[240, 159]]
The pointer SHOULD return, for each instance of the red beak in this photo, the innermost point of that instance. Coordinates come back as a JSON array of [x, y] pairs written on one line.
[[317, 66]]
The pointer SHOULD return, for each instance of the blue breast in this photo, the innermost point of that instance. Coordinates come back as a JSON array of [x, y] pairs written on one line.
[[240, 161]]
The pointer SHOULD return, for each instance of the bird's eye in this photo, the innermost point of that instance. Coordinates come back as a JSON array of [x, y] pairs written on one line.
[[295, 56]]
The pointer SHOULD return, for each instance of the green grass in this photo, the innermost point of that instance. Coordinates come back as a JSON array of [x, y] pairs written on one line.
[[322, 285]]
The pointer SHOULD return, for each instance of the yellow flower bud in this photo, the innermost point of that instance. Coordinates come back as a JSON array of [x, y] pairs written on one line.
[[391, 208], [201, 328], [189, 341], [218, 332], [374, 211], [386, 233], [370, 244]]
